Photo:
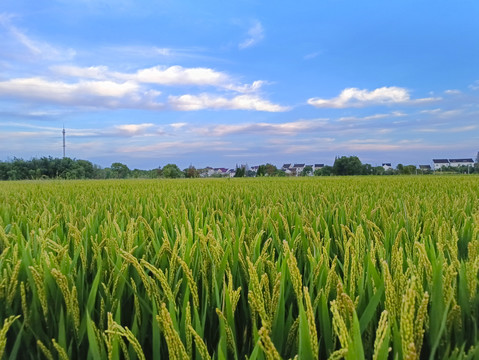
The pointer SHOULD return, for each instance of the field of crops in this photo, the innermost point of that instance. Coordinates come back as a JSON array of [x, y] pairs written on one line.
[[353, 268]]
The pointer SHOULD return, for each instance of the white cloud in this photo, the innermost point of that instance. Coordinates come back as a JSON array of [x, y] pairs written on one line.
[[161, 75], [144, 51], [431, 111], [288, 128], [452, 92], [120, 131], [373, 117], [44, 89], [178, 125], [98, 87], [175, 147], [442, 129], [84, 93], [134, 129], [444, 114], [92, 72], [463, 128], [35, 48], [474, 85], [311, 55], [354, 97], [255, 35], [177, 75], [246, 88], [206, 101]]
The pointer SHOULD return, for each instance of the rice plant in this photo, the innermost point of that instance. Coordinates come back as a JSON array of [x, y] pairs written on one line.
[[328, 268]]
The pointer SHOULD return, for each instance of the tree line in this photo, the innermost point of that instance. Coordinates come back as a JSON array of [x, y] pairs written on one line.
[[67, 168]]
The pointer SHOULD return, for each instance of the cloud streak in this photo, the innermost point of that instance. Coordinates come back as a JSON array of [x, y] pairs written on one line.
[[287, 128], [354, 97], [100, 94], [206, 101], [255, 35], [36, 48], [161, 75]]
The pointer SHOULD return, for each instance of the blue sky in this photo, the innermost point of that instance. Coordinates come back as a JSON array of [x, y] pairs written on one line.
[[222, 83]]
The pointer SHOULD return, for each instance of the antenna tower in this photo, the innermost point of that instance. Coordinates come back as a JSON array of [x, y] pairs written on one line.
[[63, 140]]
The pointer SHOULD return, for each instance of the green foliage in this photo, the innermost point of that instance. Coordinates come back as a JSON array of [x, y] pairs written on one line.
[[406, 169], [324, 171], [119, 170], [363, 267], [307, 171], [267, 170], [240, 171], [347, 165], [261, 171], [191, 172], [172, 171], [48, 168]]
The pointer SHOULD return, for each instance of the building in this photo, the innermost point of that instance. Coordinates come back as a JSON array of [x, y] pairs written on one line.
[[387, 166], [299, 168], [461, 162], [425, 168], [440, 163]]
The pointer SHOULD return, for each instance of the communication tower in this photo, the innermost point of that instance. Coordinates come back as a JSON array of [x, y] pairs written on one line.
[[63, 132]]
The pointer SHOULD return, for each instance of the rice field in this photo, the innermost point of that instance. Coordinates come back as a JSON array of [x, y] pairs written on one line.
[[354, 268]]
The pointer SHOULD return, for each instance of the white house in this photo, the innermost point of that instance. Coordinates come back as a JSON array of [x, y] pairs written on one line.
[[440, 163], [209, 171], [461, 162], [221, 171], [299, 168], [387, 166]]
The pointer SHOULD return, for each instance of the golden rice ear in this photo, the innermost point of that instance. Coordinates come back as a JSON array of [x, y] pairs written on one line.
[[347, 267]]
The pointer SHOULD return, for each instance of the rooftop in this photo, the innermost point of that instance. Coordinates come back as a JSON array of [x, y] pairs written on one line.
[[461, 160]]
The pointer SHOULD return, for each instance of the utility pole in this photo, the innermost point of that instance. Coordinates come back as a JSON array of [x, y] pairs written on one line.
[[63, 132]]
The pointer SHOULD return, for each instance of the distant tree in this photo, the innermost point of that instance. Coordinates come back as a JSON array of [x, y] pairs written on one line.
[[191, 172], [270, 169], [202, 172], [261, 171], [367, 169], [347, 166], [49, 168], [143, 174], [406, 169], [307, 171], [159, 171], [119, 170], [250, 173], [172, 171], [378, 170], [240, 171], [324, 171]]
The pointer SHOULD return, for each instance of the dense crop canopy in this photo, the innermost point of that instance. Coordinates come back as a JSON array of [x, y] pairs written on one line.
[[223, 269]]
